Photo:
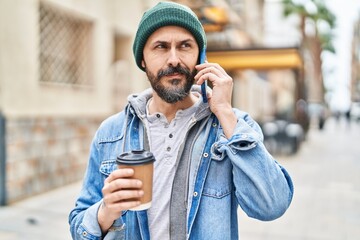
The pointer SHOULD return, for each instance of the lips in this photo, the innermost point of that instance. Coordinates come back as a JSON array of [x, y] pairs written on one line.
[[174, 75]]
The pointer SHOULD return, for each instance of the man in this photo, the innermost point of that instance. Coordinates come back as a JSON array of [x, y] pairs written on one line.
[[210, 158]]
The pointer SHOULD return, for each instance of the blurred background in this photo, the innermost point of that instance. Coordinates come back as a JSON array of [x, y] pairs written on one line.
[[65, 65]]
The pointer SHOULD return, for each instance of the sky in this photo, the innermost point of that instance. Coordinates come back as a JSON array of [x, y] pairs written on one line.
[[338, 72]]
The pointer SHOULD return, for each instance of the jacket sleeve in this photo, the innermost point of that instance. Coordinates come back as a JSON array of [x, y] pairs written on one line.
[[83, 218], [263, 188]]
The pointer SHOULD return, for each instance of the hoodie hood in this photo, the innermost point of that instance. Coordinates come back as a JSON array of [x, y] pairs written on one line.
[[138, 102]]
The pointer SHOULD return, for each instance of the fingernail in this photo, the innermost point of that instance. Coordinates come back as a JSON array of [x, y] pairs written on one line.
[[139, 183]]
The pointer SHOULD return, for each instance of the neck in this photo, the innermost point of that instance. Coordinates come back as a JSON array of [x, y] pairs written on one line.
[[170, 109]]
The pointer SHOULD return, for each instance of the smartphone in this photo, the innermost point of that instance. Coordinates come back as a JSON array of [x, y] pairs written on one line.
[[204, 84]]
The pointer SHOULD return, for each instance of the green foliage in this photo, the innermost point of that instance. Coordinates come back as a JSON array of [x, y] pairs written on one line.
[[326, 42], [322, 14], [291, 8]]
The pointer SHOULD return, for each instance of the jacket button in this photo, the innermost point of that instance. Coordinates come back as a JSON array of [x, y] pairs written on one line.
[[84, 233], [205, 154], [195, 194]]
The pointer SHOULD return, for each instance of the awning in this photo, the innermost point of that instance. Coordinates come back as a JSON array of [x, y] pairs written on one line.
[[259, 59], [213, 18]]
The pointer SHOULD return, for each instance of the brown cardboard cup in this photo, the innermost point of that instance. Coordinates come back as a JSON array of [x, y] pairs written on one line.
[[142, 162]]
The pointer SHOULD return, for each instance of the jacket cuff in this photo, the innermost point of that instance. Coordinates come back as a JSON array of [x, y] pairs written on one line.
[[243, 138], [243, 131], [90, 227]]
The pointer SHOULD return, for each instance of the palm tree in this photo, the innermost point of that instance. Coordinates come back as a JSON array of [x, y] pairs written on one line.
[[291, 8], [317, 43]]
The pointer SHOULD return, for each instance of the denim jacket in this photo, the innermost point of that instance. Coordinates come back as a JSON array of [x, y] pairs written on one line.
[[223, 174]]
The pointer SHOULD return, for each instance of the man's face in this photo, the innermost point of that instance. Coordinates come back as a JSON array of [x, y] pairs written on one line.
[[170, 56]]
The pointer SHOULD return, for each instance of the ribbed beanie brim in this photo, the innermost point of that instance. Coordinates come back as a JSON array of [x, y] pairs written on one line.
[[166, 14]]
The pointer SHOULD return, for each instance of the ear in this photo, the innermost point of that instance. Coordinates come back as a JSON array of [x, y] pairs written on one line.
[[143, 64]]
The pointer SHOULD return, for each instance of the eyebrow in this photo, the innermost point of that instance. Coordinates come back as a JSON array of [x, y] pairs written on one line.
[[188, 40], [166, 42]]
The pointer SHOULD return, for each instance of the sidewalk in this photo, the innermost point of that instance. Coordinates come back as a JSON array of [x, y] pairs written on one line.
[[41, 217], [326, 203]]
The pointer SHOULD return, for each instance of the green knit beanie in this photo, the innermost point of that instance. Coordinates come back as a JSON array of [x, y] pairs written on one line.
[[167, 14]]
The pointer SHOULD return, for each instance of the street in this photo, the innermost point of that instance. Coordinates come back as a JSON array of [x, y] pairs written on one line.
[[326, 203]]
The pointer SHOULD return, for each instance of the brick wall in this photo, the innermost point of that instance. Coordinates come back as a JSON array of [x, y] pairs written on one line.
[[45, 153]]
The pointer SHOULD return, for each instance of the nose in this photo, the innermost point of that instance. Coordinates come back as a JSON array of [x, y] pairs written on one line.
[[173, 59]]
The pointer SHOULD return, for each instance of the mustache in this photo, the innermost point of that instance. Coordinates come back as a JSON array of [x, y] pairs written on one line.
[[173, 70]]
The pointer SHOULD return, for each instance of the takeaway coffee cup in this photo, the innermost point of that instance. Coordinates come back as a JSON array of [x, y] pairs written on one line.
[[142, 162]]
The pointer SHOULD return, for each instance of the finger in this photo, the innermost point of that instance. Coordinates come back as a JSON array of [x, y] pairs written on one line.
[[210, 69], [119, 173], [207, 76], [202, 66], [118, 207], [214, 65], [123, 195], [122, 183], [124, 205], [222, 70], [202, 79]]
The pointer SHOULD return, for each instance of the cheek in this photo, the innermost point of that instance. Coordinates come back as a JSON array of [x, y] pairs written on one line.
[[152, 63], [192, 60], [151, 73]]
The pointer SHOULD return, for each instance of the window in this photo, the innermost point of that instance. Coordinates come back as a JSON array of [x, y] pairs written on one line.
[[65, 47]]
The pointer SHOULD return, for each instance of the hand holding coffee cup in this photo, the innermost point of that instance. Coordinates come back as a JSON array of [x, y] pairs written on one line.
[[141, 162], [120, 193]]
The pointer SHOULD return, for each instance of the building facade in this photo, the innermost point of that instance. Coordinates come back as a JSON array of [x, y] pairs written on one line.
[[355, 63], [65, 65]]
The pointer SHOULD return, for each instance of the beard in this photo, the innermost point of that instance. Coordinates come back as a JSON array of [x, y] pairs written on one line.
[[178, 90]]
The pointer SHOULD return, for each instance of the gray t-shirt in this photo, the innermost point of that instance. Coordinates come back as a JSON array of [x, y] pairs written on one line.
[[165, 140]]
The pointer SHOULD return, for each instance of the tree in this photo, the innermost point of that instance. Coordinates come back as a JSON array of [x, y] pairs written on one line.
[[316, 12]]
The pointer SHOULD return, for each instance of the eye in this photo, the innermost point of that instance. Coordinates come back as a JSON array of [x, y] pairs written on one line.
[[160, 46], [185, 45]]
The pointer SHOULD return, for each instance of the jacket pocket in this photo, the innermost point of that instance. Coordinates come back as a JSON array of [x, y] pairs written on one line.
[[108, 166], [218, 183]]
